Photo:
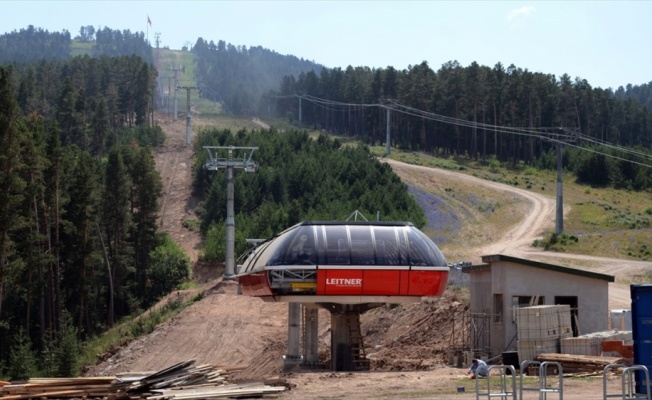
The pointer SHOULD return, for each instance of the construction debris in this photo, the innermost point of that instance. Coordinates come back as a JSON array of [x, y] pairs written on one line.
[[180, 381], [574, 364]]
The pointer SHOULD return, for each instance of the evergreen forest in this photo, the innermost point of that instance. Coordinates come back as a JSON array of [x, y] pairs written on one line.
[[79, 199], [482, 113]]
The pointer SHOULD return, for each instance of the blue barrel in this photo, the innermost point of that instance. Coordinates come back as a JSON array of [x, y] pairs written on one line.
[[642, 331]]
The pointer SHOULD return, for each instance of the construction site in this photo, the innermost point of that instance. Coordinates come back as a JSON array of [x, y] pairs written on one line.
[[286, 329]]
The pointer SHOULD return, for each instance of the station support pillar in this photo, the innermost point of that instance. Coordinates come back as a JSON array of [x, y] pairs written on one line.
[[293, 357], [311, 335]]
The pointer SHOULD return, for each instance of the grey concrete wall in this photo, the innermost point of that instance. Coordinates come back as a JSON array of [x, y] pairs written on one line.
[[480, 286], [512, 279]]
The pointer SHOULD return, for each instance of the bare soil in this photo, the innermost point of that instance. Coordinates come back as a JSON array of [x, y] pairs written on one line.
[[407, 344]]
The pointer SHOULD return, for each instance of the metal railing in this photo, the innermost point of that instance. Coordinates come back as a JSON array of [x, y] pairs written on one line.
[[502, 383], [627, 382]]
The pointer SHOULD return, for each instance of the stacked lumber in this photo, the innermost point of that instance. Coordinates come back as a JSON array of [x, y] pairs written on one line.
[[57, 388], [573, 364], [179, 381]]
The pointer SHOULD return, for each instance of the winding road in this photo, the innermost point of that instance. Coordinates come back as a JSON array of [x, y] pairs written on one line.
[[538, 217]]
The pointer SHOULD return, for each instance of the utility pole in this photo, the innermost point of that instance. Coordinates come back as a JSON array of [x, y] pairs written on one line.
[[169, 102], [188, 130], [176, 83], [230, 163], [157, 39], [388, 138], [560, 139], [300, 122]]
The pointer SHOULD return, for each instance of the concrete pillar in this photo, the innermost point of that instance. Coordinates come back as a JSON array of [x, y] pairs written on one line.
[[229, 269], [311, 335], [293, 358], [341, 353]]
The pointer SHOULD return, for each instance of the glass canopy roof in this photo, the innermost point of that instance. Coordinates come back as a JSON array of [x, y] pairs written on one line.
[[346, 243]]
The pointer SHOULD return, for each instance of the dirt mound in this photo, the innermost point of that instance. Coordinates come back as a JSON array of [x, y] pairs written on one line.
[[412, 336]]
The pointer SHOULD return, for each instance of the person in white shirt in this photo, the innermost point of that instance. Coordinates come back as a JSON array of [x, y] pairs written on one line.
[[478, 368]]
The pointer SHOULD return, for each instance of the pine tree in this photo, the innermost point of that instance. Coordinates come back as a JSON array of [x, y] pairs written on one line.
[[11, 182], [116, 219], [22, 360]]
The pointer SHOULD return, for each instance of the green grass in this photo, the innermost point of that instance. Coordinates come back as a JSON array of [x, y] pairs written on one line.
[[191, 224], [416, 158], [233, 124], [169, 60], [79, 48]]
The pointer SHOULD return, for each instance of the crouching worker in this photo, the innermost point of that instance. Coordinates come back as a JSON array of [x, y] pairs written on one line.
[[478, 369]]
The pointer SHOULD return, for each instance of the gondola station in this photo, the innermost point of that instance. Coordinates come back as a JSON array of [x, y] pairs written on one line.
[[347, 268]]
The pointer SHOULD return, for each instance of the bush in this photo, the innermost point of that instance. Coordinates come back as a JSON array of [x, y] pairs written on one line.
[[169, 266], [22, 361], [67, 354]]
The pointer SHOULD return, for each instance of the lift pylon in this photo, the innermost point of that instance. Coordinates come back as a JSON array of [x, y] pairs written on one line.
[[230, 162]]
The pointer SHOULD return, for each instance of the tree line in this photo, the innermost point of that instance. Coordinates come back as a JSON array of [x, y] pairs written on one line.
[[31, 44], [34, 44], [486, 97], [79, 200]]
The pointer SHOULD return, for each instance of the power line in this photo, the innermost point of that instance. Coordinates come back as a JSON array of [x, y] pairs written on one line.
[[558, 135]]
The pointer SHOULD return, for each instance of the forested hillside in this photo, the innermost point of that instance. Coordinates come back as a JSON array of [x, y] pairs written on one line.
[[238, 76], [468, 112], [79, 199]]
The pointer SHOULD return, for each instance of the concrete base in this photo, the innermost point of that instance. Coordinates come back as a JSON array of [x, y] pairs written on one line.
[[291, 362]]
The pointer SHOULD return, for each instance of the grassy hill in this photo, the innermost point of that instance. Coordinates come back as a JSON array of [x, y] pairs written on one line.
[[602, 221], [166, 61]]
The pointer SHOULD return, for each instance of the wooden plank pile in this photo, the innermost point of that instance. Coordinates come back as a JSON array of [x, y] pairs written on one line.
[[574, 364], [57, 388], [179, 381]]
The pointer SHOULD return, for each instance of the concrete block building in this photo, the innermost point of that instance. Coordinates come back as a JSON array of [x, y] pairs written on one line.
[[503, 284]]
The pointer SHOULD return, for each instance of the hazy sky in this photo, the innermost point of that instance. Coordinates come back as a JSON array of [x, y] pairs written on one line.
[[605, 42]]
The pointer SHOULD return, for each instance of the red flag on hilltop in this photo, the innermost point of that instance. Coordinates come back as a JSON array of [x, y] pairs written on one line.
[[149, 21]]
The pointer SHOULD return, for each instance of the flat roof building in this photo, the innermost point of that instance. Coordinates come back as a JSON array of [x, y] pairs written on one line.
[[503, 283]]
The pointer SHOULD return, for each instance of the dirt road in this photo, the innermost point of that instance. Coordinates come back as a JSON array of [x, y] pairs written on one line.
[[538, 217], [174, 163]]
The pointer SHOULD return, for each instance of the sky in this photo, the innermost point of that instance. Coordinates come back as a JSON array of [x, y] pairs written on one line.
[[604, 42]]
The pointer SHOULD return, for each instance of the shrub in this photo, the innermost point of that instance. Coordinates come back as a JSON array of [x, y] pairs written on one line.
[[22, 361]]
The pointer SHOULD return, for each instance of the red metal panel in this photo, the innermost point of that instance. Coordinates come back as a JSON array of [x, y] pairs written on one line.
[[404, 283], [380, 282], [339, 281], [427, 283], [255, 284]]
